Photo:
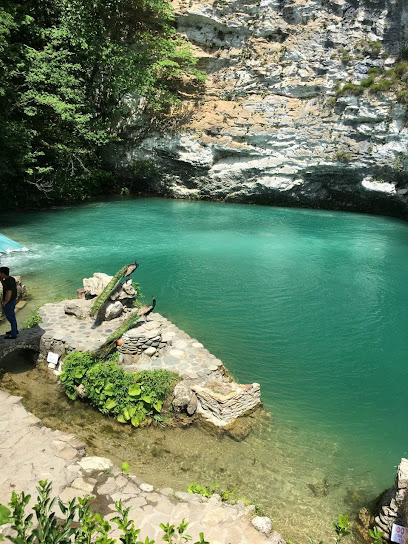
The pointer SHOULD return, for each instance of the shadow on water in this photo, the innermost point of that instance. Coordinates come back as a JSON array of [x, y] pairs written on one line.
[[301, 504]]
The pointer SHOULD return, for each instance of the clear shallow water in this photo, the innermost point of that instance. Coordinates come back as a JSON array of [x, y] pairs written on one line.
[[310, 304]]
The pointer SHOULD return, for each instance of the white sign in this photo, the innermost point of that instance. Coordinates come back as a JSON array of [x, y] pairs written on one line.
[[398, 534], [52, 358]]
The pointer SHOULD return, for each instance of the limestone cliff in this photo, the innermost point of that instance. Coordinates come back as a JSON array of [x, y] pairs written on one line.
[[275, 123]]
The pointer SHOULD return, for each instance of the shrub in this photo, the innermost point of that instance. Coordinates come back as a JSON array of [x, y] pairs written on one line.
[[75, 366], [401, 68], [402, 96], [126, 396], [368, 81], [209, 490], [343, 155], [88, 526], [350, 88], [383, 85], [33, 319]]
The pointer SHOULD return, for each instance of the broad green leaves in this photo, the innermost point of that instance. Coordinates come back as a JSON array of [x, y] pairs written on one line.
[[130, 398]]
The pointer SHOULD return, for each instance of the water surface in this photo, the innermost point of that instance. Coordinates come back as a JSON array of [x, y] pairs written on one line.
[[310, 304]]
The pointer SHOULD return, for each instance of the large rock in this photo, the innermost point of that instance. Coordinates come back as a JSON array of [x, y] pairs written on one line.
[[182, 397], [263, 524], [79, 307], [113, 310], [95, 285]]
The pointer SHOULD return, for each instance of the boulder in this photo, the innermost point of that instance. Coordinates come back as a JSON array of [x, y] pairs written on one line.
[[127, 291], [21, 289], [95, 285], [182, 397], [113, 310], [91, 464], [192, 405], [262, 524], [79, 307]]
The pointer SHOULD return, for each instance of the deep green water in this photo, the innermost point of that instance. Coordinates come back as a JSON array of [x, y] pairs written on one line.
[[313, 305]]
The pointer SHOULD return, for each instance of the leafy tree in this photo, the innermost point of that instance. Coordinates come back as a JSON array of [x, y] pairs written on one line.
[[74, 72]]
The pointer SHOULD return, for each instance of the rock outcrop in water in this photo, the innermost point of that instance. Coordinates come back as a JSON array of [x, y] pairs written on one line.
[[393, 504], [271, 127]]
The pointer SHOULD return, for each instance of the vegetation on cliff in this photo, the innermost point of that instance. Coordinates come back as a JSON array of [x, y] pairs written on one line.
[[71, 71]]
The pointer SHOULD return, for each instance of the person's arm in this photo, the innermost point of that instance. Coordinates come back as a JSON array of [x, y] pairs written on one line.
[[8, 297]]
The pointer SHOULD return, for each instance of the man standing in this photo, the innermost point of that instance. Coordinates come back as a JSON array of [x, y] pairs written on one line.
[[9, 300]]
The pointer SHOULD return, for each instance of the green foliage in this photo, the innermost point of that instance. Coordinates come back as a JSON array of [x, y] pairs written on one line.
[[341, 528], [350, 88], [209, 490], [342, 155], [75, 366], [103, 297], [124, 467], [367, 81], [393, 79], [376, 535], [68, 70], [130, 398], [32, 320], [88, 527]]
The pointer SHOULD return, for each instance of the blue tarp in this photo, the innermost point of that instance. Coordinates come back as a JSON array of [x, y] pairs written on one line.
[[7, 245]]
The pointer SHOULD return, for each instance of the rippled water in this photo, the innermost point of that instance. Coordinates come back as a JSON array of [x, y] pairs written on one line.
[[311, 304]]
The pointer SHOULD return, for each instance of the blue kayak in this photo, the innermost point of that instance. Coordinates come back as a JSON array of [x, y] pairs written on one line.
[[7, 245]]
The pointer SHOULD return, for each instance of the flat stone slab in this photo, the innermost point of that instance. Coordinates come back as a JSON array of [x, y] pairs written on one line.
[[30, 452]]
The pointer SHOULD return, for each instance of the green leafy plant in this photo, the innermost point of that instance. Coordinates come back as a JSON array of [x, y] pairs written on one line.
[[130, 398], [88, 528], [33, 319], [341, 528], [124, 467], [75, 366], [209, 490], [376, 535]]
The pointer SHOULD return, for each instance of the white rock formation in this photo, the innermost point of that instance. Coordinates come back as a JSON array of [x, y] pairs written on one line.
[[269, 127]]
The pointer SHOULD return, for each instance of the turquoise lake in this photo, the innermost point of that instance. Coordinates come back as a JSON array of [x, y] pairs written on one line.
[[313, 305]]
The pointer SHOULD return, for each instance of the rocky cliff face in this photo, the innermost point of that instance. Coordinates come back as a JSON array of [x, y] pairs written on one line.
[[275, 124]]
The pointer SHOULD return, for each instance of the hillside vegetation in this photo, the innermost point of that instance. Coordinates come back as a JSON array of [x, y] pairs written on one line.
[[73, 72]]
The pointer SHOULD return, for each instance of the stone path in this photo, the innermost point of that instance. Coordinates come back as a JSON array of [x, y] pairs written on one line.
[[29, 451], [63, 331], [176, 351]]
